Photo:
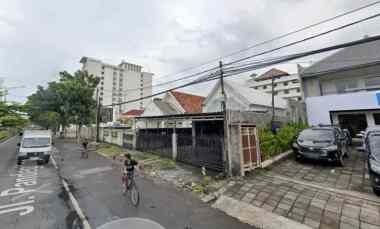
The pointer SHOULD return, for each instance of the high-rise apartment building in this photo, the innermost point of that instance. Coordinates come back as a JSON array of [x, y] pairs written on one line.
[[287, 86], [120, 83]]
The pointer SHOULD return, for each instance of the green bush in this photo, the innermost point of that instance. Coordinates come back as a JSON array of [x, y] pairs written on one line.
[[274, 144]]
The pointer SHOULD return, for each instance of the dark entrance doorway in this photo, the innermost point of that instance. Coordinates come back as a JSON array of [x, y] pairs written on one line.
[[353, 122]]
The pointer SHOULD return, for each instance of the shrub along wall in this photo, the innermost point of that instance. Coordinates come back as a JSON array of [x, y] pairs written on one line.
[[274, 144]]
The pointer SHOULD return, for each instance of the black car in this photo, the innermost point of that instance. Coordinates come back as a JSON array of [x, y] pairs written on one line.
[[373, 149], [321, 143]]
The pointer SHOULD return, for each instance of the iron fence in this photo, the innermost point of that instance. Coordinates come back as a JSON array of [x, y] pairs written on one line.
[[200, 151]]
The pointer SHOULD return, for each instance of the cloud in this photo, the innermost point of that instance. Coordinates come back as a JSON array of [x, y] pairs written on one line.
[[42, 37]]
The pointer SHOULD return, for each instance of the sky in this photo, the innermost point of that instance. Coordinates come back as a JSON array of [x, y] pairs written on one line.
[[40, 38]]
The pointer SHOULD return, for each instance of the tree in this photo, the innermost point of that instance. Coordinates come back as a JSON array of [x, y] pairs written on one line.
[[68, 101], [11, 115]]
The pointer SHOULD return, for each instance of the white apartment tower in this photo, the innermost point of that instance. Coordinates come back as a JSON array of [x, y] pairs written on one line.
[[285, 85], [120, 83]]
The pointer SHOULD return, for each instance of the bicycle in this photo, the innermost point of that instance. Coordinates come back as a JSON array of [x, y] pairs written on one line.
[[130, 187], [84, 154]]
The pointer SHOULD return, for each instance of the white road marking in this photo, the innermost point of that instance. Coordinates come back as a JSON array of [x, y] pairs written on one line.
[[16, 204], [74, 202], [36, 190]]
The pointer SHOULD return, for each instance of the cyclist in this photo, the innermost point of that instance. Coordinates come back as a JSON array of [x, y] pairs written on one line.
[[129, 164], [84, 145]]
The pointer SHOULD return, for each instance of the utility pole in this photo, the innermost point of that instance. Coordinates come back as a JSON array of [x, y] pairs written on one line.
[[273, 110], [222, 88], [225, 124], [97, 114]]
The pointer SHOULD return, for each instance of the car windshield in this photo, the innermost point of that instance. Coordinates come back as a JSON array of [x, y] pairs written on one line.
[[316, 135], [374, 145], [35, 142]]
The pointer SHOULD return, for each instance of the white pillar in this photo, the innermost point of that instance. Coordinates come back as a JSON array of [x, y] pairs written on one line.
[[174, 145]]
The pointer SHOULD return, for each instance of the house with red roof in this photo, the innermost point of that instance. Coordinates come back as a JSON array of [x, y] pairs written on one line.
[[174, 102]]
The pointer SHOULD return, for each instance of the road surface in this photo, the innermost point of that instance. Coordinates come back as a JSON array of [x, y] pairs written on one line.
[[97, 186], [29, 194]]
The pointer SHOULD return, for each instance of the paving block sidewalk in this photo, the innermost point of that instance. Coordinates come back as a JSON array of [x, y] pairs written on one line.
[[314, 207]]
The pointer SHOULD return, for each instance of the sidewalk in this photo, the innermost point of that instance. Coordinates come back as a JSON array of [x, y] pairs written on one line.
[[302, 192], [97, 186]]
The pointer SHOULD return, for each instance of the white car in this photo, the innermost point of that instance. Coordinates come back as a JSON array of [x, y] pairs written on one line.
[[35, 145]]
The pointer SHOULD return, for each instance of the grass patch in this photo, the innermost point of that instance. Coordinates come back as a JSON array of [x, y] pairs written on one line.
[[144, 156], [4, 135], [110, 150], [167, 164]]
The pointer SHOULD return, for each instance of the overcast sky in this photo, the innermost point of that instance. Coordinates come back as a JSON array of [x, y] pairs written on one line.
[[39, 38]]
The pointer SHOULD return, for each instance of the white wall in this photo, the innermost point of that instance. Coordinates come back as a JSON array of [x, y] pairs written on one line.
[[152, 110], [318, 108]]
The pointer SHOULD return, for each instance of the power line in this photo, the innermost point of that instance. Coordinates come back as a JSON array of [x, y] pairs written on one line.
[[290, 57], [308, 38], [257, 45]]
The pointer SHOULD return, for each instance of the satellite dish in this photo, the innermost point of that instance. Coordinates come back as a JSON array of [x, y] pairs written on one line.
[[135, 223]]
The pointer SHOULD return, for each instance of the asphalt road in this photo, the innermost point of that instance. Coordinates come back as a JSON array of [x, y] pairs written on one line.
[[29, 194], [97, 186]]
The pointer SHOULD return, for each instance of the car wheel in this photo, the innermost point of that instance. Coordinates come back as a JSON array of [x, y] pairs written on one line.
[[297, 157], [376, 191], [19, 162]]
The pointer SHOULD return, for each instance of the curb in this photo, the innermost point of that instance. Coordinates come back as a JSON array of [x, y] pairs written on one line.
[[74, 202], [275, 159], [7, 138]]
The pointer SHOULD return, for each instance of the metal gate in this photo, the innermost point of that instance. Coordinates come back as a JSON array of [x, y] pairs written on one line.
[[155, 142], [201, 151], [250, 151]]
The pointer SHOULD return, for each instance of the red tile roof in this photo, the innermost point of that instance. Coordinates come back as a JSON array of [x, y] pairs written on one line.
[[274, 72], [134, 112], [190, 103]]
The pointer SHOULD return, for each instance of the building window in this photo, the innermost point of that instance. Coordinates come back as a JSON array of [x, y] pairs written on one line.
[[373, 82], [255, 88], [298, 90], [285, 83], [343, 86], [265, 87], [102, 73], [103, 67], [376, 118], [106, 133], [275, 93], [114, 134], [286, 91], [295, 81], [299, 98], [275, 85]]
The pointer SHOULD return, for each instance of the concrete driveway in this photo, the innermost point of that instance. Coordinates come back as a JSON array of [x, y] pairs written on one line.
[[313, 194]]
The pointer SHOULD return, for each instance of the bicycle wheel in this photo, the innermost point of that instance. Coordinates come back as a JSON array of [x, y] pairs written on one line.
[[135, 194]]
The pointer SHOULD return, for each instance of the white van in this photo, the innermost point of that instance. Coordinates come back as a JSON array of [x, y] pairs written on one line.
[[35, 145]]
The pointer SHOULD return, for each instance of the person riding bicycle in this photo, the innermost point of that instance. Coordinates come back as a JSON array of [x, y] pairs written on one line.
[[84, 153], [129, 164]]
